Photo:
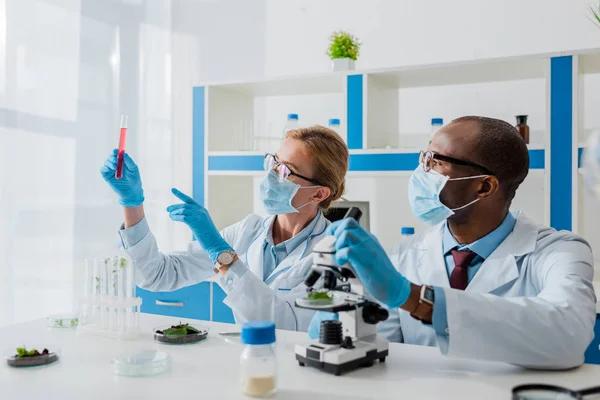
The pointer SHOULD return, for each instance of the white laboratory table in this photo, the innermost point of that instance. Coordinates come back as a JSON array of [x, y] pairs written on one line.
[[209, 370]]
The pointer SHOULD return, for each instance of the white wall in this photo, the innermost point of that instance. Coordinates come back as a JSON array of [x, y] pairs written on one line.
[[68, 68], [408, 32]]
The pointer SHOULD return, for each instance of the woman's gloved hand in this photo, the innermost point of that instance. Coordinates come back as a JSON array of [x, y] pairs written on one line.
[[129, 187], [370, 262], [314, 328], [196, 217]]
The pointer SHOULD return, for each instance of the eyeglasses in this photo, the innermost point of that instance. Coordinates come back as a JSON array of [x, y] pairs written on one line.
[[550, 392], [283, 171], [426, 160]]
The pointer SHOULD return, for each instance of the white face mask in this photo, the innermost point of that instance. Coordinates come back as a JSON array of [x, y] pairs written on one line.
[[277, 196], [424, 190]]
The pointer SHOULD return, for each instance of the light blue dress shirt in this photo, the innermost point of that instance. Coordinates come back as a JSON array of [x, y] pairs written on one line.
[[274, 254], [483, 247]]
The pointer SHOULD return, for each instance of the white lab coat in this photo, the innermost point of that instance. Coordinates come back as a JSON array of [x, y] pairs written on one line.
[[250, 298], [531, 303]]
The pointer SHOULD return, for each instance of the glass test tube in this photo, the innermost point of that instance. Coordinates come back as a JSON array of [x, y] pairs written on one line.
[[104, 292], [122, 140], [130, 293], [120, 295], [87, 291]]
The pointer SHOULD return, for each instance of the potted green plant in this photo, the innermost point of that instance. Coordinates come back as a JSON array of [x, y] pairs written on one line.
[[343, 50], [595, 14]]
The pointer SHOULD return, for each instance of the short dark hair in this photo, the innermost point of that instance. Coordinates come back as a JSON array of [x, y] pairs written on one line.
[[501, 149]]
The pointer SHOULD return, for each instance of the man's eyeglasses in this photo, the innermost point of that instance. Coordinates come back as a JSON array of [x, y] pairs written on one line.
[[283, 171], [548, 392], [426, 160]]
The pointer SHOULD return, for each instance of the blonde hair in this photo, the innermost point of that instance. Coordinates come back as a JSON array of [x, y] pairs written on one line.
[[330, 156]]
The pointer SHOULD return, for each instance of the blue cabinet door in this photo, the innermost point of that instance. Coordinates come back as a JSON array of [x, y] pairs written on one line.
[[188, 302], [221, 311], [592, 354]]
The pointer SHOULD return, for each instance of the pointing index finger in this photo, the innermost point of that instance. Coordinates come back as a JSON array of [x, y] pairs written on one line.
[[183, 197]]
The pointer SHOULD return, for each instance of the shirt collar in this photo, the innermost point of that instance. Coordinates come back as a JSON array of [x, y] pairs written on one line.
[[484, 246], [294, 241]]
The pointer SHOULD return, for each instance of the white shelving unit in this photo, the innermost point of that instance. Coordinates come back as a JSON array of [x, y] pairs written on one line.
[[388, 113]]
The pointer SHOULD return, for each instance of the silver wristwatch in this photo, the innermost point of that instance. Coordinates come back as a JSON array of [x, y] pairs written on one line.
[[225, 258]]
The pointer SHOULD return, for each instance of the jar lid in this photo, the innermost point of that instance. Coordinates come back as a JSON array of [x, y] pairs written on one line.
[[258, 332], [334, 121], [407, 230], [437, 121], [292, 116]]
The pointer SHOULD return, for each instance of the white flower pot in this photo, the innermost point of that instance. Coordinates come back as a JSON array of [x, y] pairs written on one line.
[[343, 64]]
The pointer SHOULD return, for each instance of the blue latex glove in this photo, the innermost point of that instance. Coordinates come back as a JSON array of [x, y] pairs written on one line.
[[129, 187], [370, 262], [196, 217], [315, 323]]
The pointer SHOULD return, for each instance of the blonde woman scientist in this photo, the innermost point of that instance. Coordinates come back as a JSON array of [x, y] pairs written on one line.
[[262, 262]]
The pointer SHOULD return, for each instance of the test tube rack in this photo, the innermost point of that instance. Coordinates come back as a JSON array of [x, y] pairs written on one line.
[[108, 306], [109, 316]]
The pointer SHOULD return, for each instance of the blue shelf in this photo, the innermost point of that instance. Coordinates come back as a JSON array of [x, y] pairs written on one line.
[[368, 162]]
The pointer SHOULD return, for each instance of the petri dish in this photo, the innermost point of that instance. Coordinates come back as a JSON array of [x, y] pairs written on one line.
[[188, 338], [231, 337], [63, 320], [142, 363], [45, 358], [318, 303]]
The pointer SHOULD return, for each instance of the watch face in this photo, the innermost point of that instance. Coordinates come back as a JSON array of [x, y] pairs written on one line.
[[428, 294], [225, 258]]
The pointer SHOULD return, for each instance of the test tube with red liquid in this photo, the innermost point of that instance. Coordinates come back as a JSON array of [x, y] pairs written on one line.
[[122, 140]]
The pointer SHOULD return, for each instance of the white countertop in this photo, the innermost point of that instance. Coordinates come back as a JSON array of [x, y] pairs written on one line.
[[209, 370]]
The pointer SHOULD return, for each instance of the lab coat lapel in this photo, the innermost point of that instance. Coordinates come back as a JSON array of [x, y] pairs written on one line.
[[255, 253], [501, 267], [302, 250], [432, 267]]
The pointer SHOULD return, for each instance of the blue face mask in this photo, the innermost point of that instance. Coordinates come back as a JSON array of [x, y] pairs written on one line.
[[424, 190], [277, 196]]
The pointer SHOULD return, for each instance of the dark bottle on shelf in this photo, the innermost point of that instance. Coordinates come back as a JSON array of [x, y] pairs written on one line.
[[523, 127]]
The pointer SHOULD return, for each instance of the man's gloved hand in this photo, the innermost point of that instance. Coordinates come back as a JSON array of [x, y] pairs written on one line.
[[129, 187], [196, 217], [370, 262], [315, 323]]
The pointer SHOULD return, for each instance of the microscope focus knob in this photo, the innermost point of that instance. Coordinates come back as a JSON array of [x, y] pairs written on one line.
[[330, 332], [373, 313]]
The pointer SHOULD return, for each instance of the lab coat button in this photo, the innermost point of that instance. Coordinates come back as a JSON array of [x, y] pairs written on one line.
[[447, 331]]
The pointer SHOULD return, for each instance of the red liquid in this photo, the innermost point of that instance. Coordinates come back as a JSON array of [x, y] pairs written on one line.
[[122, 139]]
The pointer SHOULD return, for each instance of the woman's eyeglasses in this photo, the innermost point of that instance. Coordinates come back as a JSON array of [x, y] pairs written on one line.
[[426, 160], [283, 171], [551, 392]]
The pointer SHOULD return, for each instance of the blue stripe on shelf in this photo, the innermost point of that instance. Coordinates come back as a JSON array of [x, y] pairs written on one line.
[[355, 111], [561, 141], [384, 162], [198, 144], [537, 159], [358, 162], [236, 163]]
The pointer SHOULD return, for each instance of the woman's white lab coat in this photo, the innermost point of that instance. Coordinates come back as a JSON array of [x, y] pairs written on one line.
[[248, 296], [531, 303]]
